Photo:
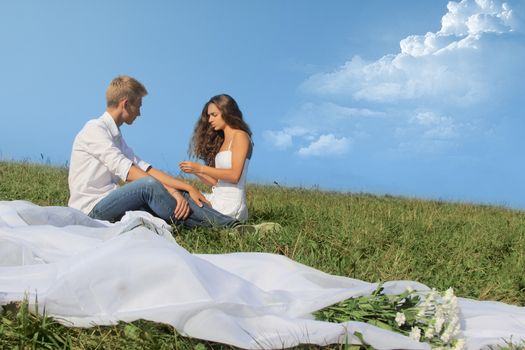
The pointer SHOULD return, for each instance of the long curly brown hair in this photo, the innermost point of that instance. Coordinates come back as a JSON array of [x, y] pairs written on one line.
[[206, 142]]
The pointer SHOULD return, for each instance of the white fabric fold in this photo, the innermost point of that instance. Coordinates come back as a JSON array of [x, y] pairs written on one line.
[[87, 272]]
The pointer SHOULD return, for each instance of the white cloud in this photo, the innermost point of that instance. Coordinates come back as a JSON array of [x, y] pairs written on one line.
[[473, 17], [326, 145], [311, 120], [279, 139], [422, 45], [393, 79], [438, 93], [282, 139], [442, 132], [335, 111], [427, 132], [428, 119], [436, 126], [328, 115], [455, 65]]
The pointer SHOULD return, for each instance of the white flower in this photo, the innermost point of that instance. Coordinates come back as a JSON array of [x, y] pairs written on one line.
[[449, 294], [445, 337], [400, 319], [439, 324], [429, 333], [454, 323], [410, 290], [453, 304], [460, 344], [415, 333], [451, 331]]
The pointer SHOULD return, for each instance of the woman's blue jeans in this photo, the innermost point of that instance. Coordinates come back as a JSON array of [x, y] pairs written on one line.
[[148, 194]]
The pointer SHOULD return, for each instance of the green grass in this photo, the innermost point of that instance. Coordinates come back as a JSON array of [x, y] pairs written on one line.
[[478, 250]]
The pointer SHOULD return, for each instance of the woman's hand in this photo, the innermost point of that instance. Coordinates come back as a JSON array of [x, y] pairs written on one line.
[[198, 197], [190, 167]]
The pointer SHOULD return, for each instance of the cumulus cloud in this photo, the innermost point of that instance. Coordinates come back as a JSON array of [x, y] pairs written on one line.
[[278, 139], [310, 120], [456, 63], [283, 139], [473, 17], [395, 78], [436, 93], [317, 118], [427, 133], [435, 126], [326, 145]]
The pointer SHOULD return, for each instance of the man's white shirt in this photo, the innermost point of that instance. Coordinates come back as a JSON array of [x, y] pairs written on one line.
[[100, 159]]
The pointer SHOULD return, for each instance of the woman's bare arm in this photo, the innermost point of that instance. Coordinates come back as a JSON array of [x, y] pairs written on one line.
[[240, 147]]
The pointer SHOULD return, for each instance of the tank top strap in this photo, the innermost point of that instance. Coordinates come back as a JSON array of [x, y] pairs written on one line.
[[249, 155], [231, 141]]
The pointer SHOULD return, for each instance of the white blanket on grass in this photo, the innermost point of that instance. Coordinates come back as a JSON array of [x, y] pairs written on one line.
[[86, 272]]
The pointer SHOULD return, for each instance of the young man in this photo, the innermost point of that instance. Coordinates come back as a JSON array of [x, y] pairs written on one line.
[[101, 160]]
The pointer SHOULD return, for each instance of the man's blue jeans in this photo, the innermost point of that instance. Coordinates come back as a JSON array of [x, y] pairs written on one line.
[[148, 194]]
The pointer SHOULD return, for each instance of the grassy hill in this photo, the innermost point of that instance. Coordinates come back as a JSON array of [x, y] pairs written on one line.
[[478, 250]]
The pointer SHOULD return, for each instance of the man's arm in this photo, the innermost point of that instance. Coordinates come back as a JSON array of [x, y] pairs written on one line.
[[182, 210], [168, 181], [95, 140]]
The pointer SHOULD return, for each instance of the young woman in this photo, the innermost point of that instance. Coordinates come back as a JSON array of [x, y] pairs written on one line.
[[221, 139]]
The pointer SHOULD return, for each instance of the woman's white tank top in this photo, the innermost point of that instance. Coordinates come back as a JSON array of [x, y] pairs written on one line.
[[229, 198]]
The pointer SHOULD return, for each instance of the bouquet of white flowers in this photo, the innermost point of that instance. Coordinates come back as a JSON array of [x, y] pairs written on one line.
[[428, 316]]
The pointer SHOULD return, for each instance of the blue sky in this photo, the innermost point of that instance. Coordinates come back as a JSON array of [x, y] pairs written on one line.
[[414, 98]]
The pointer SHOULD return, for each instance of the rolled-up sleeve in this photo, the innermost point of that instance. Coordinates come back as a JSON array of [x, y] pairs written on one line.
[[136, 159], [101, 146]]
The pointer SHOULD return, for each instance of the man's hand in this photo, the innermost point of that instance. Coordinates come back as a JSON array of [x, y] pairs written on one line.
[[198, 197], [190, 167], [182, 210]]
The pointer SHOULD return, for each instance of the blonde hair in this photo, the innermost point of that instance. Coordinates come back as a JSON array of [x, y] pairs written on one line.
[[123, 87]]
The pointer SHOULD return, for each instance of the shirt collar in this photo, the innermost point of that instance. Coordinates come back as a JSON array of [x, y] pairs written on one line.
[[111, 125]]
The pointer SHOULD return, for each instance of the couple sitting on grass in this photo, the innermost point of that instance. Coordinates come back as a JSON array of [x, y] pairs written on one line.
[[101, 160]]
